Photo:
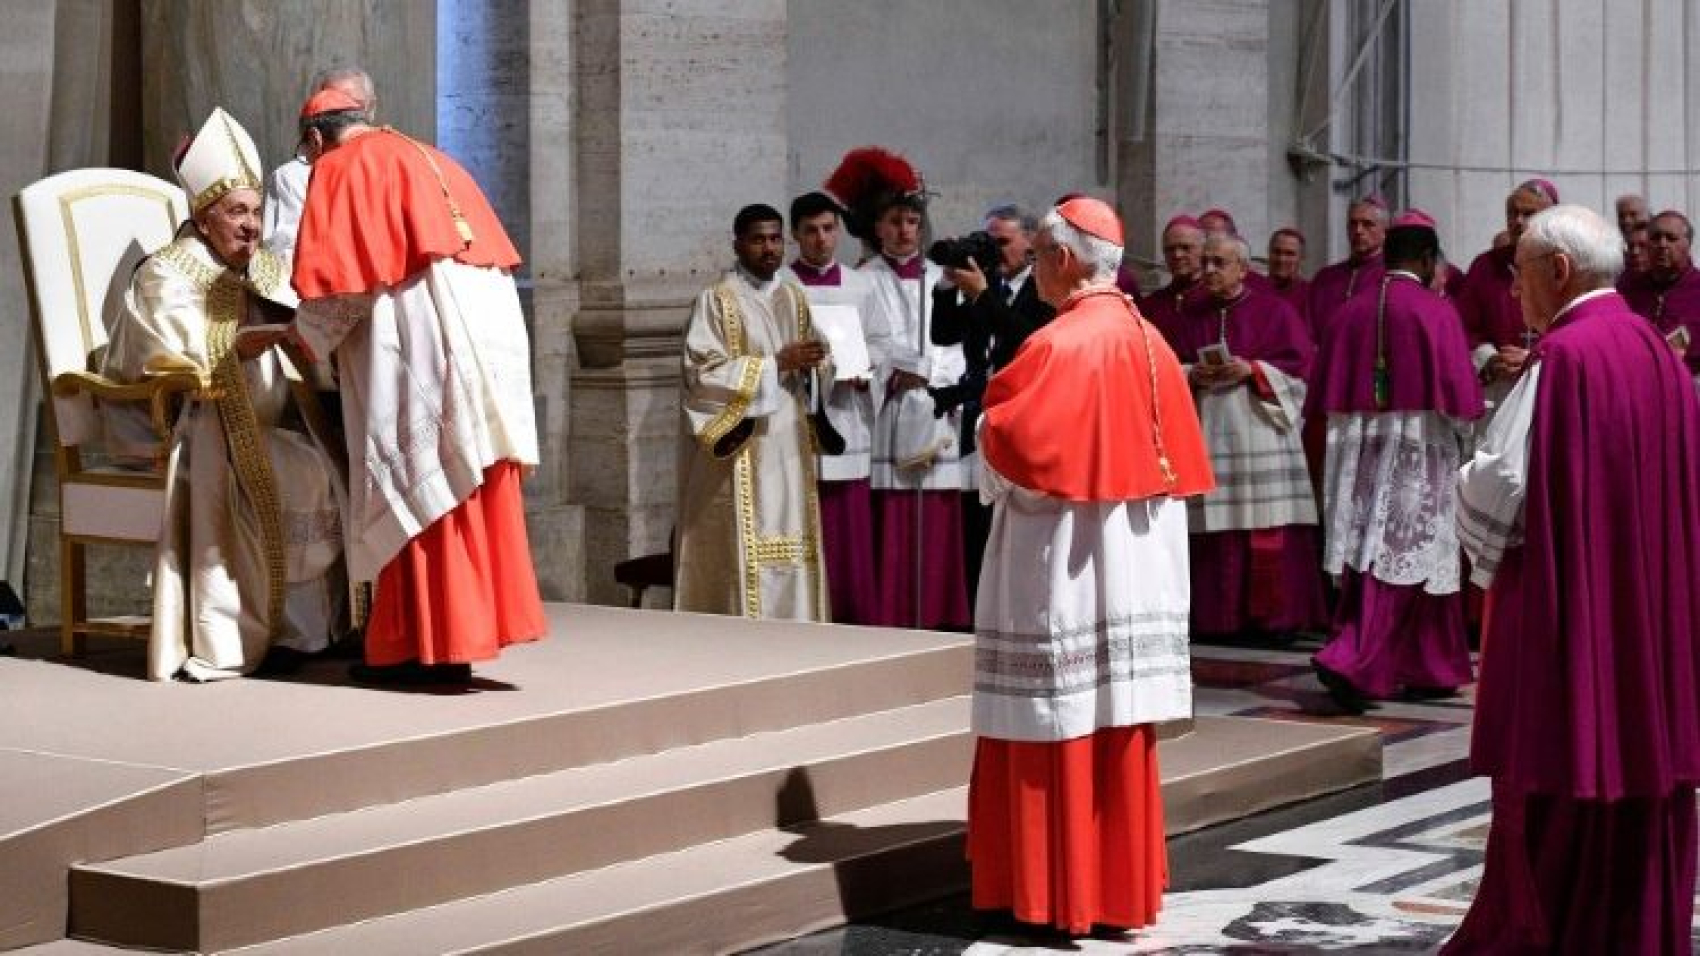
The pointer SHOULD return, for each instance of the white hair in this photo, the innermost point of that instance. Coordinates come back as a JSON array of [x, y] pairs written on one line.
[[1102, 256], [1241, 249], [336, 74], [1586, 239]]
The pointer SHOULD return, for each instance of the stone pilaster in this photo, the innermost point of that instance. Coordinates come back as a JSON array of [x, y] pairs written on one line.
[[681, 118], [556, 519], [1206, 139]]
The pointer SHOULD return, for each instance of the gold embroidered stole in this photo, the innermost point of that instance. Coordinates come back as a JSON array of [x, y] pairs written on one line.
[[226, 304], [761, 550]]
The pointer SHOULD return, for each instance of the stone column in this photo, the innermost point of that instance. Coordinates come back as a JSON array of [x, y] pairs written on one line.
[[1206, 138], [556, 521], [680, 115]]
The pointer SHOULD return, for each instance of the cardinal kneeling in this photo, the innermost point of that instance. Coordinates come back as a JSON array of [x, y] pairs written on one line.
[[1089, 439]]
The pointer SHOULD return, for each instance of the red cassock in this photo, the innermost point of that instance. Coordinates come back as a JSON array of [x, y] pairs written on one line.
[[1094, 408], [376, 213]]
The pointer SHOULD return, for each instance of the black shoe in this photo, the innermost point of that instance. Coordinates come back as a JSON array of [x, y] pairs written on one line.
[[1430, 693], [351, 647], [281, 662], [1340, 689], [449, 673], [410, 674]]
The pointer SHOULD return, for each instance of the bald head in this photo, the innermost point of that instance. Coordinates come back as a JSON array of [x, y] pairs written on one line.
[[1631, 212]]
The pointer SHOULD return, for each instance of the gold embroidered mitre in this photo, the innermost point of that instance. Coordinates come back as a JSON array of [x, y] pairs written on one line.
[[220, 158]]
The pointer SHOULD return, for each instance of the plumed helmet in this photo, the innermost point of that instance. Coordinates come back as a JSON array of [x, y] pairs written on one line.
[[868, 181]]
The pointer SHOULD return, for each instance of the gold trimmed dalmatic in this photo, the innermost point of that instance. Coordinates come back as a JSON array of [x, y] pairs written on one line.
[[748, 534], [251, 551]]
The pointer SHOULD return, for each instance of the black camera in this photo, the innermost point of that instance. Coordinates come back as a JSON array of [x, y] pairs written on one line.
[[986, 251]]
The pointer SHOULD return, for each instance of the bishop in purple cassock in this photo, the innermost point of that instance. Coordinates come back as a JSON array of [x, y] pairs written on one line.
[[1254, 539], [1183, 244], [1581, 513], [1286, 255], [1499, 341], [1668, 292], [1394, 383], [1333, 285]]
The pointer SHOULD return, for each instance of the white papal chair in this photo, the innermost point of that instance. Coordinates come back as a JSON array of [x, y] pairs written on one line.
[[82, 233]]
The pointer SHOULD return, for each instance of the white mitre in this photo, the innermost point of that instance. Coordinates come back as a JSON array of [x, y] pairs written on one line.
[[220, 158]]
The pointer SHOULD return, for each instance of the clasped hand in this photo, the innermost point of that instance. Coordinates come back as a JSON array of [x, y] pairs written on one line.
[[806, 353], [1221, 376]]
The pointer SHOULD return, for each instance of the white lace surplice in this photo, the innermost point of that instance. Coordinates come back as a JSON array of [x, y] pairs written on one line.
[[1081, 619], [1389, 501]]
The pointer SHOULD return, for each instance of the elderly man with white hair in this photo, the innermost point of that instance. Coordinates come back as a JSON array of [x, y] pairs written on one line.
[[287, 186], [1255, 539], [248, 574], [1089, 439], [1581, 514]]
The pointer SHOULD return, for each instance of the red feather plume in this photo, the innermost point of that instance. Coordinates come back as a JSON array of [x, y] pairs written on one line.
[[868, 179], [869, 173]]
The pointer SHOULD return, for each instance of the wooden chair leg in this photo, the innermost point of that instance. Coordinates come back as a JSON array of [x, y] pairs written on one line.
[[73, 602]]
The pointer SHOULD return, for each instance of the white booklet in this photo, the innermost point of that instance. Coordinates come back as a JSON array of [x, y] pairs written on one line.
[[841, 327], [1215, 354]]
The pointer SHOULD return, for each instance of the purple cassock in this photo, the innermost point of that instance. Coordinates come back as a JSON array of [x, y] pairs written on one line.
[[1588, 710], [846, 514], [1127, 282], [1252, 578], [943, 585], [1296, 293], [1333, 285], [1165, 305], [1668, 304], [1386, 540], [1452, 283], [1492, 316]]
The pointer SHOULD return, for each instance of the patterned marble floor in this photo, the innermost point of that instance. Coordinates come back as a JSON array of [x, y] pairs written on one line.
[[1388, 868]]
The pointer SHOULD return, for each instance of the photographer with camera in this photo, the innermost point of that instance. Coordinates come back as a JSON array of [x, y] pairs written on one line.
[[987, 304]]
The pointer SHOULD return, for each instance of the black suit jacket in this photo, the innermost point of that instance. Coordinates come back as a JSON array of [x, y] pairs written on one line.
[[990, 331]]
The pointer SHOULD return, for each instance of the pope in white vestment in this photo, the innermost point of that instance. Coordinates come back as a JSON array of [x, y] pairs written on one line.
[[748, 536], [250, 553]]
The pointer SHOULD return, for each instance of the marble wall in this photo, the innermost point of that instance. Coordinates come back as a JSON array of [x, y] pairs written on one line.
[[1596, 95], [1205, 139], [993, 103], [680, 118], [256, 59], [67, 93]]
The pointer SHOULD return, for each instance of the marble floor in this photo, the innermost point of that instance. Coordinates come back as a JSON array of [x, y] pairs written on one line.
[[1387, 868]]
